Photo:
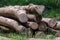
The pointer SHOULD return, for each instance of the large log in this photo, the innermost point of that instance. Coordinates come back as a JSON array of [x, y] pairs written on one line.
[[42, 26], [31, 17], [36, 8], [13, 13], [57, 32], [4, 28], [34, 18], [18, 7], [33, 9], [40, 34], [24, 7], [9, 23], [51, 22], [57, 27], [33, 25]]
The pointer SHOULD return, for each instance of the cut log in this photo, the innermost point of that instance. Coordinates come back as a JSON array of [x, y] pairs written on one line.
[[12, 13], [40, 34], [39, 9], [33, 25], [38, 18], [50, 22], [57, 27], [18, 7], [31, 17], [24, 7], [4, 28], [54, 31], [9, 23], [25, 31], [42, 26], [33, 11], [34, 18], [35, 8], [22, 29]]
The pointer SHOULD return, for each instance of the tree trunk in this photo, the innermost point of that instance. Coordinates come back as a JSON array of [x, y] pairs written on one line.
[[50, 22], [33, 25], [33, 11], [34, 18], [12, 13], [9, 23], [42, 26], [4, 28], [19, 7], [31, 17], [57, 27], [56, 31], [35, 8]]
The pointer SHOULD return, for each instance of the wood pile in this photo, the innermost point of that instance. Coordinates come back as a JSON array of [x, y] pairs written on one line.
[[26, 19]]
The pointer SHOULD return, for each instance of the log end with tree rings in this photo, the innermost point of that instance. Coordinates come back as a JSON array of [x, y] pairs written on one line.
[[33, 25], [21, 28], [52, 23], [42, 26], [39, 9], [22, 16]]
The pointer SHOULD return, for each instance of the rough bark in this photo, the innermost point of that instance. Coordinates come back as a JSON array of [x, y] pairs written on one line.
[[56, 31], [31, 17], [57, 27], [34, 18], [35, 8], [9, 23], [4, 28], [50, 22], [19, 7], [12, 13], [31, 7], [40, 34], [33, 11]]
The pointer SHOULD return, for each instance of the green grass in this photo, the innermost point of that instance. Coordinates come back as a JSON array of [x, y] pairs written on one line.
[[18, 36], [12, 36], [51, 3], [52, 13]]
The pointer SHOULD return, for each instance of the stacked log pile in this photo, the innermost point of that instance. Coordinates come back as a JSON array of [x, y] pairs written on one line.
[[26, 19]]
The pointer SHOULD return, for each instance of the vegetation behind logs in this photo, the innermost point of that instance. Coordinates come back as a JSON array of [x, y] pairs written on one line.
[[52, 10], [51, 3]]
